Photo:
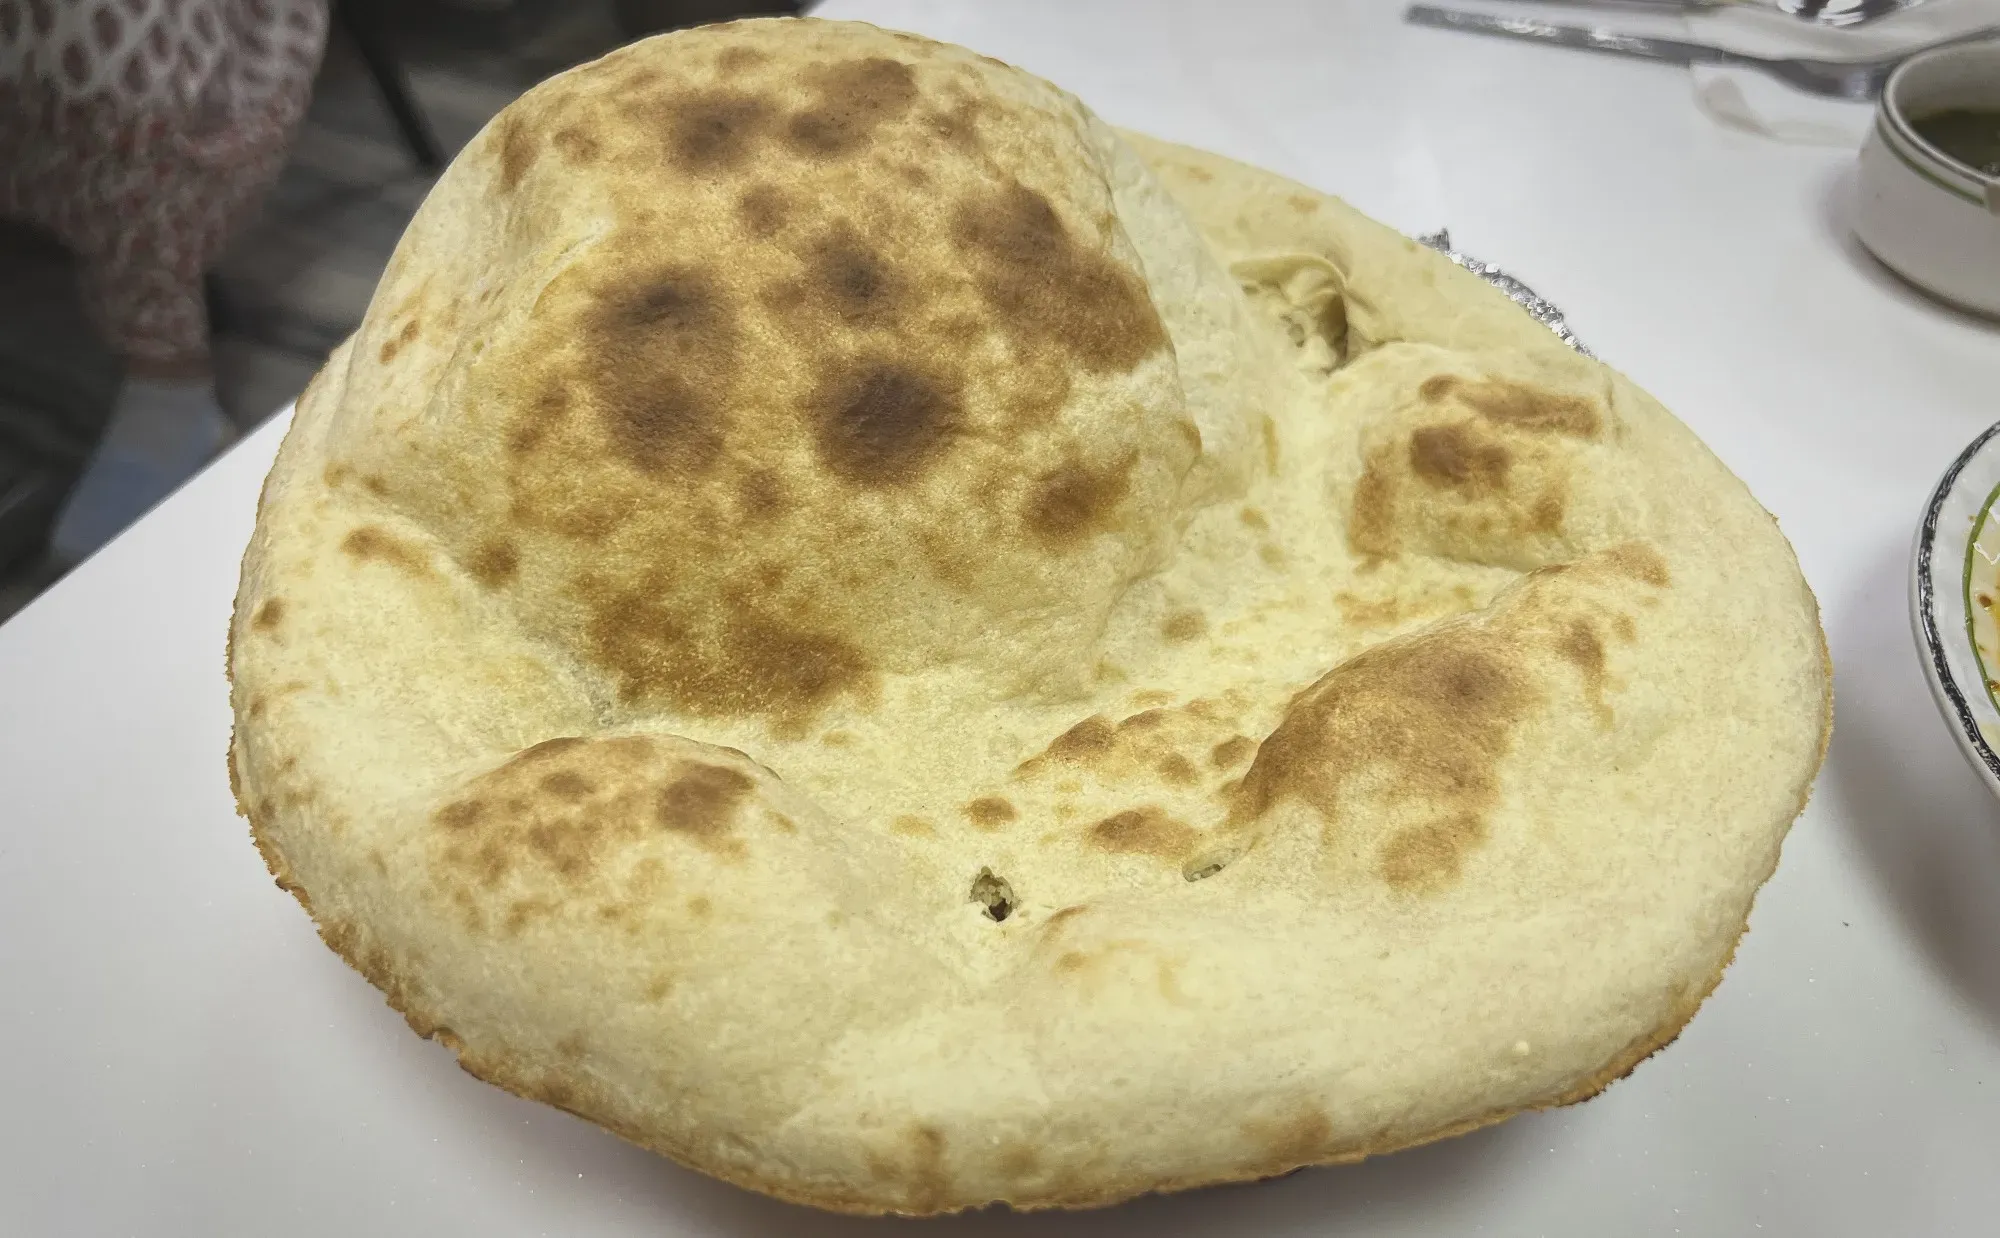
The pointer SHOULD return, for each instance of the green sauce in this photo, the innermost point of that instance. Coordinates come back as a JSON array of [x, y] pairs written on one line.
[[1971, 137]]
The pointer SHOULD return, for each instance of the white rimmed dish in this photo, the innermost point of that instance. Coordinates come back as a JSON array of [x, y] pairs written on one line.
[[1954, 591], [1930, 218]]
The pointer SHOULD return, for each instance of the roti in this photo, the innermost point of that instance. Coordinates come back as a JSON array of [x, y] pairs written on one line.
[[905, 649]]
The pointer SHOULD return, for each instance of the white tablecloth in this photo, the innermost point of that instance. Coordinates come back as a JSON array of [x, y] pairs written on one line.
[[179, 1055]]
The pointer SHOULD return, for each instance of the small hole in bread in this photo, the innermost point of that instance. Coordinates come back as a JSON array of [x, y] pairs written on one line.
[[994, 893], [1209, 863]]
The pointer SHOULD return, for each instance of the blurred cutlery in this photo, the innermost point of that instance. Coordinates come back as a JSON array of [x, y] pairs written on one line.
[[1856, 80]]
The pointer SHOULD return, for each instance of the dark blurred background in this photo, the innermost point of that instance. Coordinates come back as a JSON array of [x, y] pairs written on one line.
[[401, 87]]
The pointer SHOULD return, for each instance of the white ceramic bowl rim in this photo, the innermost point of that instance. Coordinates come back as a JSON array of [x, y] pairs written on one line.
[[1892, 110], [1926, 609]]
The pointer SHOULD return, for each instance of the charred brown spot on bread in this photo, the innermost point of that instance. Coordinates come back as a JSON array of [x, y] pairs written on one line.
[[1546, 516], [1457, 457], [853, 280], [1302, 204], [740, 56], [854, 98], [397, 342], [763, 209], [1518, 405], [572, 848], [1048, 292], [1428, 857], [665, 358], [1076, 500], [576, 144], [567, 785], [1430, 719], [495, 563], [882, 422], [990, 812], [371, 543], [1640, 562], [569, 809], [1439, 387], [761, 497], [1580, 645], [714, 131], [516, 140], [1183, 626], [525, 911], [1145, 749], [268, 615], [1089, 738], [1371, 523], [1145, 831], [726, 661], [703, 800], [461, 814], [1232, 752]]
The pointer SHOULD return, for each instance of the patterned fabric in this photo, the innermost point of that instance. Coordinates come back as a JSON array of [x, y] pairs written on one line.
[[141, 132]]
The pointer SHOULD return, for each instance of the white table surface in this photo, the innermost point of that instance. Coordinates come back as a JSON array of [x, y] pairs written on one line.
[[179, 1054]]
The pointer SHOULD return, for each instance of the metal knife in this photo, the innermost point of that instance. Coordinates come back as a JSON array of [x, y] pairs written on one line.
[[1590, 38]]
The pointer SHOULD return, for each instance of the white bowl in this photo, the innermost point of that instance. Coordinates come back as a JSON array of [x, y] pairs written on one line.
[[1957, 564], [1928, 217]]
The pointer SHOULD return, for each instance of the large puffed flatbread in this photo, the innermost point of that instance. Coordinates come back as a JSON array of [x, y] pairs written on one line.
[[905, 649]]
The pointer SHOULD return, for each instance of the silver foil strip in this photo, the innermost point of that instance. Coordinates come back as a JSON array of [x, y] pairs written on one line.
[[1517, 292]]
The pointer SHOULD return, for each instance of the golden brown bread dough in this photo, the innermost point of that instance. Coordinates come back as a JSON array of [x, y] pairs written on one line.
[[866, 632]]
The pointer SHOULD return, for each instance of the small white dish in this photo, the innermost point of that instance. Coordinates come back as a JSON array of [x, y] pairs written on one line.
[[1954, 591], [1930, 218]]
